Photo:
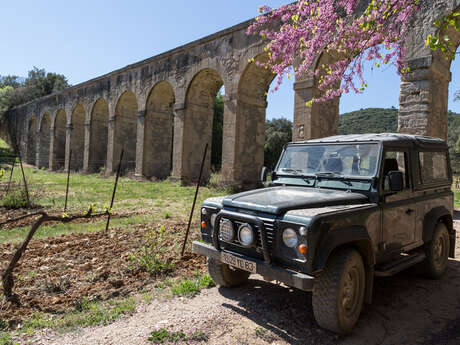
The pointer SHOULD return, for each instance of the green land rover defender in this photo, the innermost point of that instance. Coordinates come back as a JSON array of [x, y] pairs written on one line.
[[337, 212]]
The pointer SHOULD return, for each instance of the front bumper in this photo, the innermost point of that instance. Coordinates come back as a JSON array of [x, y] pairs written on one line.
[[291, 278]]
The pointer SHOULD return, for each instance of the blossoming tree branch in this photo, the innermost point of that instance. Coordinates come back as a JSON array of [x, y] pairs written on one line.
[[300, 32]]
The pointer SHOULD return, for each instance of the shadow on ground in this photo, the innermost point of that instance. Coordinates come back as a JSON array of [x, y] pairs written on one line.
[[407, 309]]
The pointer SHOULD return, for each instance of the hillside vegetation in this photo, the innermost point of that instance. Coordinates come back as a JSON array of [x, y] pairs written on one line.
[[380, 120]]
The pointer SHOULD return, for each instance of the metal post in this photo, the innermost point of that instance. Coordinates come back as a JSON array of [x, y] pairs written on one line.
[[194, 200], [114, 191]]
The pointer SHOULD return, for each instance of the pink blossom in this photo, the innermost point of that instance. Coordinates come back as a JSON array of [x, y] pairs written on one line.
[[310, 28]]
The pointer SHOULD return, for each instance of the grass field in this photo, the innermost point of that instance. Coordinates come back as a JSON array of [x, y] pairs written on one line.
[[3, 145], [137, 202]]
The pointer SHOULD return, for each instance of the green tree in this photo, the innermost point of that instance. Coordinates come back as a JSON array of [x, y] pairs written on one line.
[[278, 132], [39, 83], [4, 98], [10, 80]]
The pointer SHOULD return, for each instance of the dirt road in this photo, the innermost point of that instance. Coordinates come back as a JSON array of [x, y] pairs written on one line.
[[407, 309]]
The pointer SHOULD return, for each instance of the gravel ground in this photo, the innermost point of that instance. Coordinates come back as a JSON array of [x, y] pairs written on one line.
[[407, 309]]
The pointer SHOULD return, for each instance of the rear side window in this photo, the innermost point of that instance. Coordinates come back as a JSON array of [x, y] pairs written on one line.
[[433, 167]]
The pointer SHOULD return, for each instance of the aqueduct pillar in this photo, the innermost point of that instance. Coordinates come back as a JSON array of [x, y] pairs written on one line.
[[423, 99]]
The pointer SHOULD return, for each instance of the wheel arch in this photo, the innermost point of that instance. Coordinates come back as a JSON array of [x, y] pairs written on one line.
[[438, 215], [355, 237]]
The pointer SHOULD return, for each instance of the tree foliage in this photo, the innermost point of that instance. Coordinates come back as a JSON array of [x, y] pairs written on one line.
[[441, 41], [380, 120], [38, 83], [278, 132], [10, 80], [5, 98], [340, 28]]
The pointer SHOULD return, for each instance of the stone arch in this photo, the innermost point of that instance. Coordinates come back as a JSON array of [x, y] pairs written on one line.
[[59, 140], [250, 113], [77, 137], [32, 140], [98, 135], [158, 131], [125, 131], [45, 142], [198, 117]]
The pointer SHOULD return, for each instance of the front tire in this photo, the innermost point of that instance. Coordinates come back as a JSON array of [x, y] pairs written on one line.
[[338, 293], [437, 253], [224, 275]]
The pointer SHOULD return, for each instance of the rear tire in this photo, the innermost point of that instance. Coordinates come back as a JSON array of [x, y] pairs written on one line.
[[437, 253], [224, 275], [338, 293]]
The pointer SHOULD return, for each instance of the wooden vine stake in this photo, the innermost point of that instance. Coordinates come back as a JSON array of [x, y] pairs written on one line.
[[11, 176], [109, 211], [68, 180], [194, 200]]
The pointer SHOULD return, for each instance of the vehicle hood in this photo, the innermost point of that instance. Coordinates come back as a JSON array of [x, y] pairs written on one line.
[[278, 200]]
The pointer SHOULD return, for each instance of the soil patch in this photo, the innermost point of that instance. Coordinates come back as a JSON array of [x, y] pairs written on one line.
[[55, 274]]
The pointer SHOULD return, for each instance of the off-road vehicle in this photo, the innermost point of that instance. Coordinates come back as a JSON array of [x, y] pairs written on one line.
[[337, 212]]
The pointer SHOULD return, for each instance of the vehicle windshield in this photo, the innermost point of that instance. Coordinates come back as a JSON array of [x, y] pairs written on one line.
[[350, 160]]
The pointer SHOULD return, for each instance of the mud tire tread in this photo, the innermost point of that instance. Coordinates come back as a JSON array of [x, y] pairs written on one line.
[[325, 292], [429, 270]]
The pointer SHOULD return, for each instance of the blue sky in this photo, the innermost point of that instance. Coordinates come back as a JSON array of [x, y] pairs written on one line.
[[84, 39]]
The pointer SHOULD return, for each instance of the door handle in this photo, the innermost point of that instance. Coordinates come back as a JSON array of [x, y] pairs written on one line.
[[409, 211]]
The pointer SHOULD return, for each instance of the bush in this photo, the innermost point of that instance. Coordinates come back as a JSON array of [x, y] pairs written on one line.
[[14, 199], [150, 256]]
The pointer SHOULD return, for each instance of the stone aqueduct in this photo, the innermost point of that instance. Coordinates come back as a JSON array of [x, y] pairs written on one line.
[[160, 110]]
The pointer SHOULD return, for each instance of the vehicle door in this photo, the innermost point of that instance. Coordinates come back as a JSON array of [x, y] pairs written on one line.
[[398, 208]]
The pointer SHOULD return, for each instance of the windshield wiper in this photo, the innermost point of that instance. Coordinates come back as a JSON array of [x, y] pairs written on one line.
[[329, 174], [289, 170], [335, 176]]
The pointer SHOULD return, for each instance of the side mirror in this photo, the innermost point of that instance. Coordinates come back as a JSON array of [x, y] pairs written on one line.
[[263, 175], [396, 181]]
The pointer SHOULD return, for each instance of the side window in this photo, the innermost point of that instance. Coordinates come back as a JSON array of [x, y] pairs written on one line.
[[433, 167], [396, 161]]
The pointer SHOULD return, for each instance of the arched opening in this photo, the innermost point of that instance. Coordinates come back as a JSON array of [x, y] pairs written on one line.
[[99, 136], [77, 137], [453, 131], [158, 131], [125, 131], [279, 120], [60, 124], [198, 123], [251, 112], [32, 141], [217, 131], [45, 139]]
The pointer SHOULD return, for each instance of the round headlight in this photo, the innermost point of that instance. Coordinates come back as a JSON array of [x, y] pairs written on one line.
[[213, 220], [246, 235], [290, 238], [204, 211], [226, 231]]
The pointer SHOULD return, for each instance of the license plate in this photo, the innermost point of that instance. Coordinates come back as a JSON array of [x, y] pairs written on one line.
[[242, 264]]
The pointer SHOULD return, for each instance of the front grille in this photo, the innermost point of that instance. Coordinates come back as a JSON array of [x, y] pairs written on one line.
[[269, 226]]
